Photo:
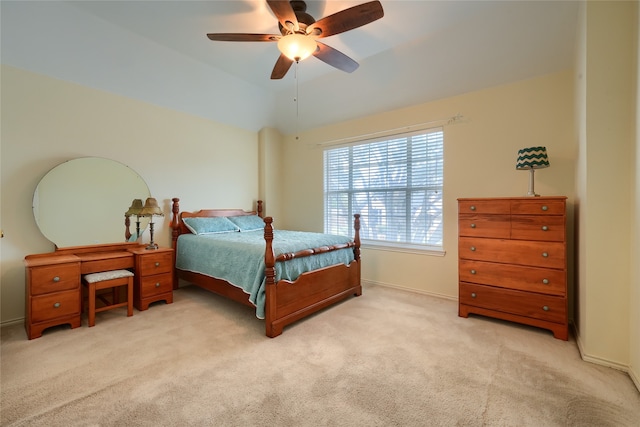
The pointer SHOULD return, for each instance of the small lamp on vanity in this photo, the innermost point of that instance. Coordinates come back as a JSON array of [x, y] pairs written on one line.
[[150, 209], [134, 209], [532, 158]]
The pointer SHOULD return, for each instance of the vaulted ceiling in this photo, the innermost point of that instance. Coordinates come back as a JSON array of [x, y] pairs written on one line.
[[158, 52]]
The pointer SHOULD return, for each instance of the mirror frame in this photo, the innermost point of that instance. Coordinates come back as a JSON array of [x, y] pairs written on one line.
[[83, 202]]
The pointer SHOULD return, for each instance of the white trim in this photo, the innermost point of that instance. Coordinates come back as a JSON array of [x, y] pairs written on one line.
[[402, 247]]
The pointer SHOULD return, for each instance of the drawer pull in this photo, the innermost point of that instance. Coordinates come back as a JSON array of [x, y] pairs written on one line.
[[545, 254], [473, 208], [473, 272], [545, 228], [56, 279], [473, 226], [473, 294], [158, 285], [473, 248], [545, 308], [545, 208], [56, 305], [157, 264], [545, 281]]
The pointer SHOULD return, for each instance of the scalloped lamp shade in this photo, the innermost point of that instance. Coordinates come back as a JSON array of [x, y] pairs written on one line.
[[135, 208], [530, 159], [151, 208]]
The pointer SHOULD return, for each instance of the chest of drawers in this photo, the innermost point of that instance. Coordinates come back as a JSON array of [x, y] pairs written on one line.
[[52, 293], [513, 260], [154, 277]]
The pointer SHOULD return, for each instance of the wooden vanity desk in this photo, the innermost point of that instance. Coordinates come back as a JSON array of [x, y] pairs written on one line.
[[53, 280]]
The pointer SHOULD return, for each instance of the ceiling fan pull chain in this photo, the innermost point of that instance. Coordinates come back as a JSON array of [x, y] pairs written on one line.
[[295, 99]]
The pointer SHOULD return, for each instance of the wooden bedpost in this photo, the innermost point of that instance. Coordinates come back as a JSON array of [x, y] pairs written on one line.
[[127, 232], [175, 232], [175, 221], [270, 282], [259, 208], [356, 238]]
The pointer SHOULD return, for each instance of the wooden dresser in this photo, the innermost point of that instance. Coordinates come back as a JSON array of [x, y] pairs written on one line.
[[53, 292], [513, 260]]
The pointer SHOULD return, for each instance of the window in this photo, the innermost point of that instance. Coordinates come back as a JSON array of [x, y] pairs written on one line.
[[394, 184]]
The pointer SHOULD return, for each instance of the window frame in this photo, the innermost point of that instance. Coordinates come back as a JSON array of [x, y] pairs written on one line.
[[395, 246]]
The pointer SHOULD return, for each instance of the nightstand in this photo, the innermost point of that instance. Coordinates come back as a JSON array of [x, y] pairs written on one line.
[[154, 277], [52, 293]]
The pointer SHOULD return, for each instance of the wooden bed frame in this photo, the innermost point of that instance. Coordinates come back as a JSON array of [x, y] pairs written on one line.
[[286, 301]]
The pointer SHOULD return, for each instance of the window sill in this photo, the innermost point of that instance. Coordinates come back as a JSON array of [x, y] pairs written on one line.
[[403, 247]]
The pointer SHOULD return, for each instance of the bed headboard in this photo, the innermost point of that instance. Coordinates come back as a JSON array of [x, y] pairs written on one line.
[[178, 225]]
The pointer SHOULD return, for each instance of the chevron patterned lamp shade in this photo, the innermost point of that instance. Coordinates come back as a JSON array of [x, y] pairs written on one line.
[[530, 159]]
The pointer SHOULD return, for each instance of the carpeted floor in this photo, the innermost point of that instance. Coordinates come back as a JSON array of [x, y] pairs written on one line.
[[387, 358]]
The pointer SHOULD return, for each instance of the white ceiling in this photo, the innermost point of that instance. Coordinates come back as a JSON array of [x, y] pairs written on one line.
[[157, 51]]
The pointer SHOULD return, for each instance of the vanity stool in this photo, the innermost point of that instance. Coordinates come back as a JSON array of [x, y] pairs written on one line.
[[105, 280]]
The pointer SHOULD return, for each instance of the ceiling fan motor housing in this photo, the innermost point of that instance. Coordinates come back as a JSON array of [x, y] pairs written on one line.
[[304, 19]]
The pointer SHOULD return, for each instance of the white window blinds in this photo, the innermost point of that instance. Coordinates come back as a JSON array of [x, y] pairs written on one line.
[[394, 184]]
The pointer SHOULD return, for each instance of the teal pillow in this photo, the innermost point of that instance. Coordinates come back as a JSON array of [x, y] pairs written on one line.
[[248, 222], [210, 225]]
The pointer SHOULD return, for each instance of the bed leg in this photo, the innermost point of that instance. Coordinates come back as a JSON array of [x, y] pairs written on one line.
[[273, 331]]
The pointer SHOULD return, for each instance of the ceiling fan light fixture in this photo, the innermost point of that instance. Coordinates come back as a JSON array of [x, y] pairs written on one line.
[[297, 46]]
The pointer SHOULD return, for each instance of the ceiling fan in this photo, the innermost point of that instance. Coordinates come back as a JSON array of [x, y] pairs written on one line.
[[300, 31]]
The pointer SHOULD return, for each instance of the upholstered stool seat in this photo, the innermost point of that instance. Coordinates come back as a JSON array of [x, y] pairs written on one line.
[[105, 280]]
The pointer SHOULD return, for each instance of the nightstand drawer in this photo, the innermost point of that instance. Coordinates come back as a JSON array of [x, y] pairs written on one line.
[[156, 284], [52, 306], [538, 227], [156, 263], [540, 280], [54, 278], [537, 306]]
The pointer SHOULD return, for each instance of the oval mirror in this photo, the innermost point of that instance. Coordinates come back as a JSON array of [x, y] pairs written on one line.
[[83, 202]]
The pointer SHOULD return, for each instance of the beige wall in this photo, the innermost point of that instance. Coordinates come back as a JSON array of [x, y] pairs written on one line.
[[46, 122], [605, 199], [480, 155], [634, 300]]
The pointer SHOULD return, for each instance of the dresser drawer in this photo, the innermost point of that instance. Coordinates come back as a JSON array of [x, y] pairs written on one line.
[[158, 263], [54, 305], [474, 225], [540, 280], [484, 207], [535, 254], [156, 284], [538, 227], [54, 278], [537, 306], [537, 207]]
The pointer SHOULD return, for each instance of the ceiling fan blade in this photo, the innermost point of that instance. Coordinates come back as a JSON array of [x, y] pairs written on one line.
[[240, 37], [335, 58], [285, 14], [346, 20], [282, 66]]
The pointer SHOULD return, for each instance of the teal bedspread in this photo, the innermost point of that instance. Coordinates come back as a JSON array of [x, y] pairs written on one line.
[[238, 257]]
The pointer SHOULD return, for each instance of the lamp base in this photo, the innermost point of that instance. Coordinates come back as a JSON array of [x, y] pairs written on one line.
[[152, 246], [531, 192]]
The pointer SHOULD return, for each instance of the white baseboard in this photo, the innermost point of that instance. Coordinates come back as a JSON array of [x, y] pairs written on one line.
[[605, 362], [12, 322], [402, 288]]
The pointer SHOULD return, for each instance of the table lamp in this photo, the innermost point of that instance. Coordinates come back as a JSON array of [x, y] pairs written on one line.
[[134, 209], [150, 209], [532, 158]]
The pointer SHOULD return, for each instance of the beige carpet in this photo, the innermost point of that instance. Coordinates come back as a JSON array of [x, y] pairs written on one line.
[[387, 358]]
